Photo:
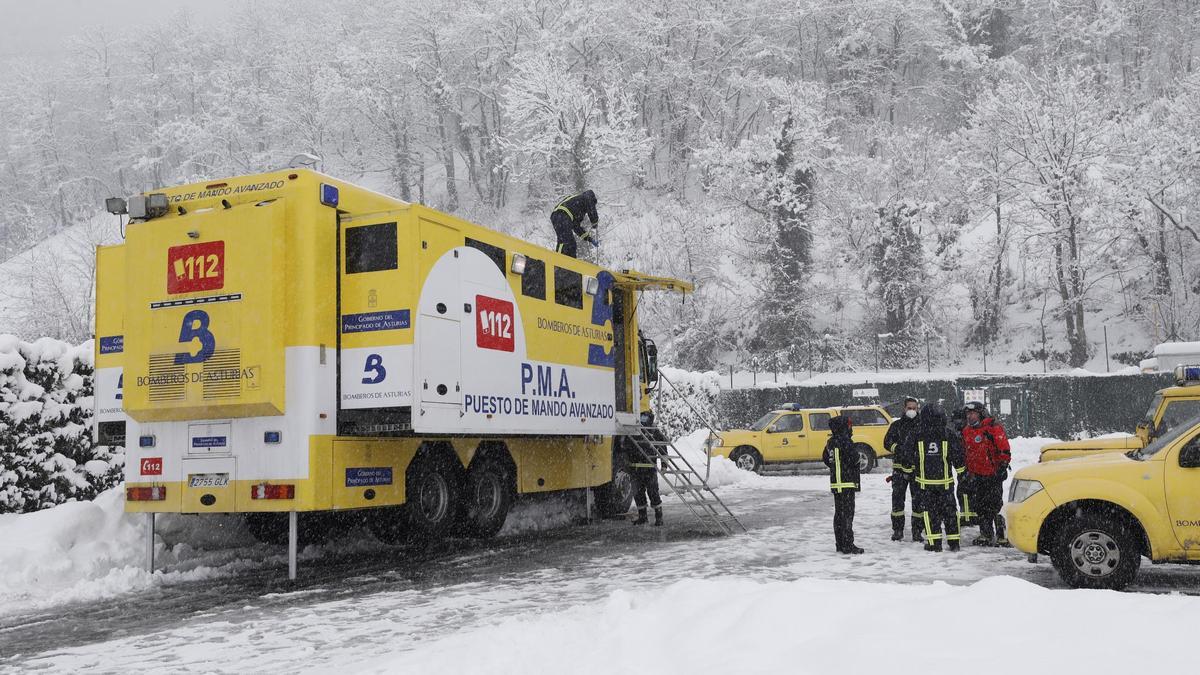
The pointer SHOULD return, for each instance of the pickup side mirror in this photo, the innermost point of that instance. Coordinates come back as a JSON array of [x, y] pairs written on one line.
[[1189, 456]]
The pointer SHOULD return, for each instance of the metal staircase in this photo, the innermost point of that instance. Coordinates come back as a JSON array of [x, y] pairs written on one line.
[[687, 483]]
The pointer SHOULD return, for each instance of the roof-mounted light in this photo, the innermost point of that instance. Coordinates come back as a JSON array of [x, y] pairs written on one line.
[[145, 207], [518, 264], [1187, 375], [116, 206]]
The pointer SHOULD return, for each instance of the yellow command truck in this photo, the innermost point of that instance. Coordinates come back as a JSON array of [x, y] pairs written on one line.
[[288, 342], [1169, 408]]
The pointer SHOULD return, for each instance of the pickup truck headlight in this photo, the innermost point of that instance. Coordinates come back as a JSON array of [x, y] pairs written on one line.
[[1022, 490], [713, 441]]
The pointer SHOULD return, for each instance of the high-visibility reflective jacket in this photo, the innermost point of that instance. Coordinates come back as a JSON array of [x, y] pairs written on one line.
[[575, 208], [841, 457], [895, 436], [934, 451]]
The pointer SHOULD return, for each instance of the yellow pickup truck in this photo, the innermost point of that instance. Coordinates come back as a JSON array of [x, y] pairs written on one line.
[[794, 434], [1169, 408], [1097, 516]]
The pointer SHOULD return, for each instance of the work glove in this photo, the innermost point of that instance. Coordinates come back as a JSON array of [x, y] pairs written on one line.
[[1002, 472], [592, 239], [889, 478]]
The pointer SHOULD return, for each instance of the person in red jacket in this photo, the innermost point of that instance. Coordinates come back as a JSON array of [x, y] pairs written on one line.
[[988, 457]]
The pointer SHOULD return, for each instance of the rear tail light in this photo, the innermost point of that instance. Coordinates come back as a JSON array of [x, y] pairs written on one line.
[[146, 494], [268, 491]]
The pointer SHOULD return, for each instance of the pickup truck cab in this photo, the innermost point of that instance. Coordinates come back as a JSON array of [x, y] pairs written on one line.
[[793, 434], [1097, 516], [1168, 408]]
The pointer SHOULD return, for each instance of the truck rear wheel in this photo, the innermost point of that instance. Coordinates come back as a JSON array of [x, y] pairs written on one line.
[[490, 493], [866, 458], [1097, 551], [614, 498], [433, 495]]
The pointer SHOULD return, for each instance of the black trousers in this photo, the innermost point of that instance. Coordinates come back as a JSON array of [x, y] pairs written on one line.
[[645, 484], [940, 515], [564, 233], [968, 514], [903, 483], [843, 519], [988, 498]]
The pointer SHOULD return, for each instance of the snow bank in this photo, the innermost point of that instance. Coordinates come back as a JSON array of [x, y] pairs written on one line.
[[821, 626], [90, 550], [720, 472]]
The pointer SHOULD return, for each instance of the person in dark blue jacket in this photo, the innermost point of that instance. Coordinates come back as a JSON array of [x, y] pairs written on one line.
[[842, 459], [567, 220]]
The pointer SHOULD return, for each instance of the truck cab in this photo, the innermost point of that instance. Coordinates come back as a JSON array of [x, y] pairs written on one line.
[[1097, 516], [1169, 408]]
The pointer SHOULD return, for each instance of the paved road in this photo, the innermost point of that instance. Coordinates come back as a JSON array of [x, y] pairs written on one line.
[[351, 607]]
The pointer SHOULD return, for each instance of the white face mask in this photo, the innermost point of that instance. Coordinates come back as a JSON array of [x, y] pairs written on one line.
[[910, 414]]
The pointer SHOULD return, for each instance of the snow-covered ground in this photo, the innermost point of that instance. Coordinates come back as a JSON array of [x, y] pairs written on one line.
[[604, 597]]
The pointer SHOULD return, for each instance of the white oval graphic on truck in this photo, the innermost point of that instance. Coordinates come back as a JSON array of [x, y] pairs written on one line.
[[474, 373]]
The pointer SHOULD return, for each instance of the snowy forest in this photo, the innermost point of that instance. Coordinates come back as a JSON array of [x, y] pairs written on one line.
[[954, 177]]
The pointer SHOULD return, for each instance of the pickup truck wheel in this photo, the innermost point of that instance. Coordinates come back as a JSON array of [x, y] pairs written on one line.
[[866, 458], [1096, 551], [747, 459]]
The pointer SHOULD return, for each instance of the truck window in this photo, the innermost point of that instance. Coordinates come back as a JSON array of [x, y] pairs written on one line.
[[533, 281], [762, 422], [494, 252], [1178, 412], [371, 248], [1154, 403], [1167, 438], [788, 423], [568, 288], [865, 418], [819, 421]]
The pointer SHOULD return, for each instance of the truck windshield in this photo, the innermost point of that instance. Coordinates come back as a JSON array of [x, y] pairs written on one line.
[[1167, 439], [1149, 417], [764, 421]]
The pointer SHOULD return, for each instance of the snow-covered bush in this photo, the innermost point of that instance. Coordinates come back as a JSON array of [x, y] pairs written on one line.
[[46, 452], [685, 401]]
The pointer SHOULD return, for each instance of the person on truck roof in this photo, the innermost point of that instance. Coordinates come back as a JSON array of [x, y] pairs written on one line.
[[842, 459], [901, 478], [567, 220], [987, 456]]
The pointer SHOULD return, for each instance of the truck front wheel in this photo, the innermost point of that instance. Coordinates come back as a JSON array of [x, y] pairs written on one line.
[[613, 498], [1097, 551]]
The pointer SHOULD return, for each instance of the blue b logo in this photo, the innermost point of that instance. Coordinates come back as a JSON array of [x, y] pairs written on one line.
[[374, 365], [195, 327]]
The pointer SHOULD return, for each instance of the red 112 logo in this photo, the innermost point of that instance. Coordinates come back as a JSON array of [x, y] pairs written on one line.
[[494, 324]]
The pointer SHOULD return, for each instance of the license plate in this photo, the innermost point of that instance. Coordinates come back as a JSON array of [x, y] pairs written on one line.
[[208, 480]]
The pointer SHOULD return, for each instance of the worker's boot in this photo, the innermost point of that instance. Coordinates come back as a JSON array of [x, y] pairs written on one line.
[[1001, 538], [982, 540], [897, 535], [658, 515], [918, 529], [641, 519], [954, 546]]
